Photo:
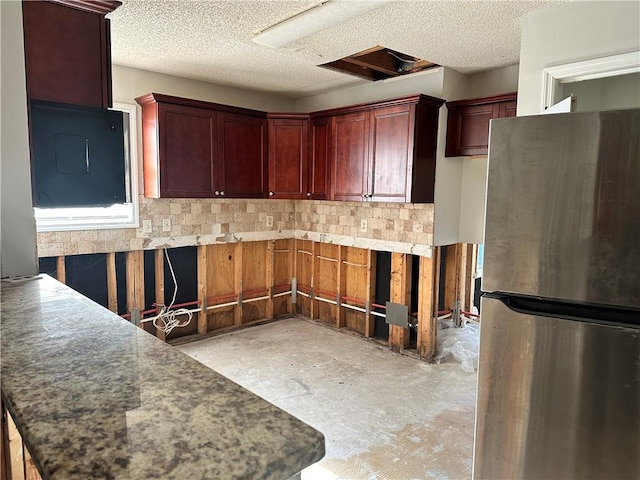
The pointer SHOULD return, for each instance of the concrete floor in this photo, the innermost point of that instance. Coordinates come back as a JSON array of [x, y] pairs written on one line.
[[384, 415]]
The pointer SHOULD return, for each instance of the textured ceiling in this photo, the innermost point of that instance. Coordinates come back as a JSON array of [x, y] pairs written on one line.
[[211, 40]]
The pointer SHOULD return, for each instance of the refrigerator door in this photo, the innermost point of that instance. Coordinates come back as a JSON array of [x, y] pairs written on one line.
[[557, 399], [563, 207]]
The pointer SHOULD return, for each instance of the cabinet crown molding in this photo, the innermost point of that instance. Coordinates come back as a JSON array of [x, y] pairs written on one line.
[[101, 7]]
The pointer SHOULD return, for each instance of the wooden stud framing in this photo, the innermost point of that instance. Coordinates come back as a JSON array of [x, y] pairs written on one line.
[[400, 293], [61, 272], [458, 275], [112, 286], [237, 275], [470, 277], [283, 270], [340, 320], [269, 245], [369, 324], [428, 305], [158, 265], [202, 289], [135, 280], [304, 267]]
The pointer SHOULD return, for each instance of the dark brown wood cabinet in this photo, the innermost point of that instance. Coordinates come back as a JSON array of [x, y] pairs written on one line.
[[197, 149], [468, 123], [350, 156], [319, 166], [242, 162], [288, 155], [187, 138], [385, 151], [68, 52]]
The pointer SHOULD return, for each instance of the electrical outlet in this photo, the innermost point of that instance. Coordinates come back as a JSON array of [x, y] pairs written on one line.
[[363, 226], [146, 226], [166, 224], [269, 221]]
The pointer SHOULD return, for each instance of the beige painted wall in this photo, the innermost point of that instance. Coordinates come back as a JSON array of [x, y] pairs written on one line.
[[494, 82], [572, 32], [428, 83], [18, 242], [129, 83]]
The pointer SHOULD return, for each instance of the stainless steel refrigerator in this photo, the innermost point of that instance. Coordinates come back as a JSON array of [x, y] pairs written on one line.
[[559, 367]]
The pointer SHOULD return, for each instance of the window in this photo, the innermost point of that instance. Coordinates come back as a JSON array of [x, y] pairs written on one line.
[[120, 215]]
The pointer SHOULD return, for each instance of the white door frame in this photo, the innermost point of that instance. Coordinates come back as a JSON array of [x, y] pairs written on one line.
[[611, 66]]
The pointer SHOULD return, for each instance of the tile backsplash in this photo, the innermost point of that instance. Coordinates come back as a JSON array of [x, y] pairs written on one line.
[[389, 226]]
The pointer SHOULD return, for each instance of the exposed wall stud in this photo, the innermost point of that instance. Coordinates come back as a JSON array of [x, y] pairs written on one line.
[[400, 293], [112, 286], [428, 305]]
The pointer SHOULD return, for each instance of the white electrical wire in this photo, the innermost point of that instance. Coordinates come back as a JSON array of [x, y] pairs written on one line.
[[167, 320]]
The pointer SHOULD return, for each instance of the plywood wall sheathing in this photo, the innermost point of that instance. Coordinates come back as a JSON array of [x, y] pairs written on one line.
[[135, 280], [254, 280], [304, 263], [400, 293], [61, 270], [220, 284], [355, 287], [202, 289], [283, 272], [326, 281], [428, 305], [158, 268], [112, 286]]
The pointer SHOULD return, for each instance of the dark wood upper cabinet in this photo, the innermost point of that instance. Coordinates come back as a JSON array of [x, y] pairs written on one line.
[[468, 123], [350, 156], [382, 151], [288, 155], [68, 51], [197, 149], [188, 136], [242, 164], [319, 168], [385, 151]]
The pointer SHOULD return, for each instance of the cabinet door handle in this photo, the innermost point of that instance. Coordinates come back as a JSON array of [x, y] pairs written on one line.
[[216, 192], [308, 194], [364, 196], [271, 194], [222, 192]]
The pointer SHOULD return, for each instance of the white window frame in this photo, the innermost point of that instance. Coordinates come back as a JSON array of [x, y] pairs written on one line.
[[124, 215]]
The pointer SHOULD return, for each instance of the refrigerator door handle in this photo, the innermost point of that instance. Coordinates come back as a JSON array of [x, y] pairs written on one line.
[[600, 314]]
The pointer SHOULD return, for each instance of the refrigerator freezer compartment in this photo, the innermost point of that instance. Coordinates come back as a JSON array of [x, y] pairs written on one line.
[[562, 208]]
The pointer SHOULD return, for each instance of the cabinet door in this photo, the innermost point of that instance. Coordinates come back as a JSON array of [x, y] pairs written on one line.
[[67, 55], [350, 156], [187, 138], [242, 161], [507, 109], [319, 175], [288, 150], [391, 154], [473, 129]]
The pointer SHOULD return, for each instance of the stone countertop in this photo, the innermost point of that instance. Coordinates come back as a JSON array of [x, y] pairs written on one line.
[[95, 397]]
